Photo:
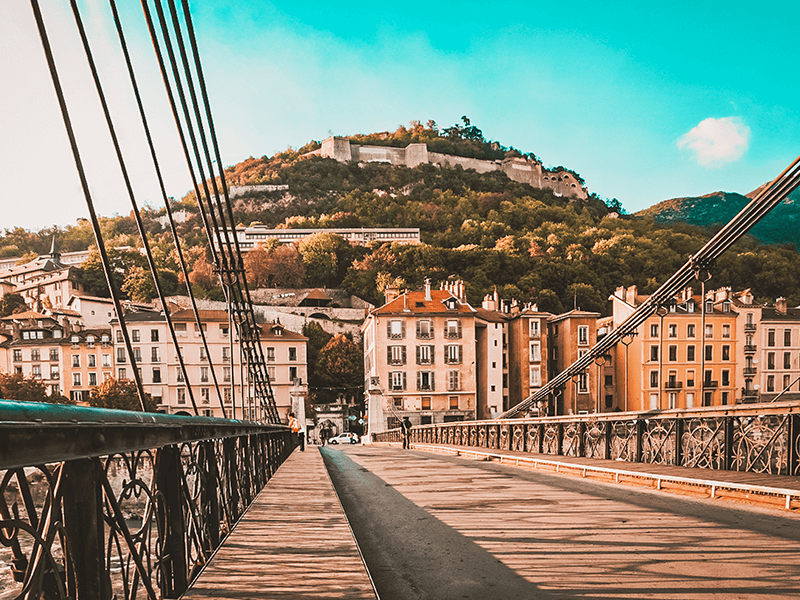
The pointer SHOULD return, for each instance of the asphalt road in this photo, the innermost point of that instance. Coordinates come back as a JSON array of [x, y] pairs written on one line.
[[437, 527]]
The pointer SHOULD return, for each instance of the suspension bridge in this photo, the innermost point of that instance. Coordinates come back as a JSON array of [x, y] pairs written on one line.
[[101, 504]]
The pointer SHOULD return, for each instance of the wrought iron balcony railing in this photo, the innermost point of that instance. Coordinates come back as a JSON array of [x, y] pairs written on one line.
[[106, 503]]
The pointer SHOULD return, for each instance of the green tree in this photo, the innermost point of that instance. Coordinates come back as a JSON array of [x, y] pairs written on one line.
[[12, 303], [120, 394], [14, 386], [341, 364], [318, 338], [138, 284], [326, 257]]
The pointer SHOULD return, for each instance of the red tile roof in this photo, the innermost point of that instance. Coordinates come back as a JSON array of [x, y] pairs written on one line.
[[415, 303]]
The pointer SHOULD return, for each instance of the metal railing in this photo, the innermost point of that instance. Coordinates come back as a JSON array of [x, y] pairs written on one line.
[[99, 504], [754, 438]]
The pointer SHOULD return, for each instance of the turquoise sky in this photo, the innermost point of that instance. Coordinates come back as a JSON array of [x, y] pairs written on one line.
[[647, 101]]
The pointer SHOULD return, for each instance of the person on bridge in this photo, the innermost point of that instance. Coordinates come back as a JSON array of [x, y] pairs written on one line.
[[297, 428], [406, 431]]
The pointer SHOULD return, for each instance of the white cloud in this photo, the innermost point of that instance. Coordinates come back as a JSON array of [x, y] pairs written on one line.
[[716, 142]]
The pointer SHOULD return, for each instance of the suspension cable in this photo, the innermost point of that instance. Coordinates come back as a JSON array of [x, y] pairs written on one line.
[[87, 194]]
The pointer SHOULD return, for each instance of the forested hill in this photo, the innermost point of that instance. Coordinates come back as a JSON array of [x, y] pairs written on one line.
[[483, 228], [713, 210]]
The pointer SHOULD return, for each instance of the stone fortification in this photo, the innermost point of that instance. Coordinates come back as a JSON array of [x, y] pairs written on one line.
[[518, 169]]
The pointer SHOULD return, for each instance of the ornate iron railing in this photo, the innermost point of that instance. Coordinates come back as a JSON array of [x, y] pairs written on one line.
[[100, 504], [755, 438]]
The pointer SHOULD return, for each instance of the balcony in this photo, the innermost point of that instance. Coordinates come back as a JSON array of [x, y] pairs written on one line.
[[673, 385], [535, 335], [749, 327], [749, 349], [749, 370], [710, 384]]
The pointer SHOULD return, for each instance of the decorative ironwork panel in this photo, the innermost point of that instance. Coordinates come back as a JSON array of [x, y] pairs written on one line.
[[703, 443], [623, 440], [550, 438], [505, 438], [492, 431], [532, 438], [760, 444], [518, 438], [594, 439], [473, 435], [659, 442], [482, 436], [571, 445]]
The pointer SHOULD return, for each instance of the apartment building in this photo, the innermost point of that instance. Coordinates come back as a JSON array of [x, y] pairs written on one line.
[[570, 336], [420, 357], [528, 352], [287, 366], [774, 367], [491, 359], [33, 347], [88, 362]]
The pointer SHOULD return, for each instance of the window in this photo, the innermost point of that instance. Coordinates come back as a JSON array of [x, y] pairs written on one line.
[[203, 355], [583, 335], [690, 400], [709, 352], [787, 360], [672, 397], [226, 374], [179, 375], [536, 377], [690, 353], [122, 374], [452, 381], [35, 354], [18, 355], [120, 355], [770, 383], [76, 361], [271, 354], [396, 329], [204, 396], [653, 379], [425, 381], [154, 335], [709, 331], [673, 353], [397, 381], [93, 379], [535, 352], [76, 379], [226, 395], [673, 330], [726, 377], [204, 374], [786, 382], [726, 352], [453, 400], [293, 374], [223, 330], [137, 355], [770, 360], [226, 357], [654, 330], [203, 327], [55, 390], [533, 328], [396, 355], [555, 353], [398, 402], [154, 357], [292, 353], [36, 371], [271, 373], [120, 339], [708, 399], [135, 335], [771, 337], [787, 337], [653, 401], [707, 378], [609, 400], [180, 329], [583, 383], [424, 329], [709, 306], [452, 329], [726, 331], [54, 374], [690, 330], [156, 375], [609, 380], [92, 361], [653, 353], [90, 341], [106, 360], [425, 403], [424, 355], [452, 354]]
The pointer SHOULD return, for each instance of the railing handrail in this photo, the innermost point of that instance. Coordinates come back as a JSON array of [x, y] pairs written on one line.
[[39, 433]]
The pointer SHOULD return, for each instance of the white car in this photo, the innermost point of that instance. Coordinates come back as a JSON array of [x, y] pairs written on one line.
[[344, 438]]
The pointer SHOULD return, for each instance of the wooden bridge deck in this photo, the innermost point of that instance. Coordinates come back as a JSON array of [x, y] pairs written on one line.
[[293, 542]]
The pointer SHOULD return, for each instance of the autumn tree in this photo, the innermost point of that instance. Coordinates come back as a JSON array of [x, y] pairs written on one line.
[[12, 303], [341, 364], [274, 265], [120, 394], [318, 338], [14, 386]]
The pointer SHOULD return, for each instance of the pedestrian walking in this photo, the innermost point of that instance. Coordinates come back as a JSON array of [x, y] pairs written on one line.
[[406, 431], [297, 429]]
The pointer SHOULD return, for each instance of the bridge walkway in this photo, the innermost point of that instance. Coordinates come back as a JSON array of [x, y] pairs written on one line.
[[294, 542], [780, 491]]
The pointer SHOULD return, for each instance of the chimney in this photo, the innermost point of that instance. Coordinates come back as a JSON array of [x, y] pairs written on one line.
[[392, 292], [630, 295], [489, 303], [427, 289], [780, 305]]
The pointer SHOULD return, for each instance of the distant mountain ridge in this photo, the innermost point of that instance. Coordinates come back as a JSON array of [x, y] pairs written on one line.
[[781, 226]]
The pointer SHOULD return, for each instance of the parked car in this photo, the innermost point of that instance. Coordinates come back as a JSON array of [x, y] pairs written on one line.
[[344, 438]]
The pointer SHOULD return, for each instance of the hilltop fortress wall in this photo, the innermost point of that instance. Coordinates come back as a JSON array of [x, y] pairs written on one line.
[[517, 169]]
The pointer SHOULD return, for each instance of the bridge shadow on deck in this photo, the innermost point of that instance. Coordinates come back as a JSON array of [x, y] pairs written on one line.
[[431, 526]]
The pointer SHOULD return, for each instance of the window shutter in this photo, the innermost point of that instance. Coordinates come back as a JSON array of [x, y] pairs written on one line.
[[419, 380], [388, 329], [418, 351], [459, 329], [389, 354], [404, 355], [433, 387], [404, 380], [402, 329], [432, 349], [460, 355], [419, 328]]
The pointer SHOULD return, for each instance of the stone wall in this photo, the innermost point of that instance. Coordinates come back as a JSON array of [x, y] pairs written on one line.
[[517, 169]]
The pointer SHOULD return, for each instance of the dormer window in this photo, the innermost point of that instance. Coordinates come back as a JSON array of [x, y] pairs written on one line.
[[75, 339], [690, 306], [105, 339], [726, 306], [57, 333], [451, 303]]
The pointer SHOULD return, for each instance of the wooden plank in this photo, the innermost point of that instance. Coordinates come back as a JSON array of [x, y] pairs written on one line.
[[293, 542]]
